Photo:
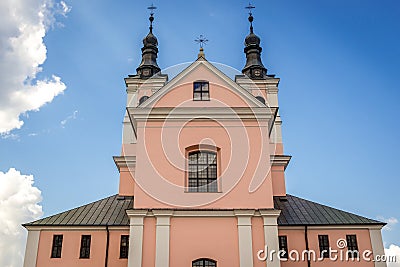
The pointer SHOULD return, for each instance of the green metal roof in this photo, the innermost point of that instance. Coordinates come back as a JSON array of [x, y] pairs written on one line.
[[295, 211], [108, 211], [298, 211]]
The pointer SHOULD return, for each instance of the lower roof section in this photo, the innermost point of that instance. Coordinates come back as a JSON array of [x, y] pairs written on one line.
[[295, 211]]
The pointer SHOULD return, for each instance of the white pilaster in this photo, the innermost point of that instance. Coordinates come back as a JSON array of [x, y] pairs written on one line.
[[377, 245], [271, 235], [32, 246], [162, 237], [245, 237], [135, 253]]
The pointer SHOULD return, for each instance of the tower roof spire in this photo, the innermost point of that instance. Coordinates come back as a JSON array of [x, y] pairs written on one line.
[[151, 18], [149, 67], [201, 40], [254, 67], [250, 7]]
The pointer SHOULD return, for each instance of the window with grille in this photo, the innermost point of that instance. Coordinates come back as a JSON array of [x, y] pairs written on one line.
[[204, 263], [352, 246], [124, 247], [202, 172], [201, 91], [323, 245], [57, 246], [85, 247], [283, 247]]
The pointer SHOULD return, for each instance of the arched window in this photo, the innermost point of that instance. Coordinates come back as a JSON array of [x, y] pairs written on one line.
[[202, 171], [204, 263], [261, 99], [142, 99]]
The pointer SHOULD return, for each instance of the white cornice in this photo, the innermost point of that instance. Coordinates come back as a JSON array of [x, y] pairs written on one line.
[[270, 213], [125, 161], [133, 83], [244, 213], [188, 113], [280, 160], [205, 213], [209, 113]]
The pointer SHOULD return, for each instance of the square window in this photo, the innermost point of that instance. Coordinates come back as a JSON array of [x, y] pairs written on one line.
[[201, 91]]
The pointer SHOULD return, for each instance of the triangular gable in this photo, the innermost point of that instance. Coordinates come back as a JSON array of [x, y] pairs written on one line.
[[240, 91]]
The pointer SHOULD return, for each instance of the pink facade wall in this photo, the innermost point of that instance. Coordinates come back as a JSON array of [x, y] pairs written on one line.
[[126, 182], [190, 239], [71, 249], [258, 239], [160, 152], [278, 180], [193, 238], [161, 167]]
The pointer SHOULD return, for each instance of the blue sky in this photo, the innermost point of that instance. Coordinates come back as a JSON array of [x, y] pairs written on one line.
[[338, 62]]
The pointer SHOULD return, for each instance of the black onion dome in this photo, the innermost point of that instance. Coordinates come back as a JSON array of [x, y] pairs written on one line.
[[254, 67], [252, 39], [150, 39]]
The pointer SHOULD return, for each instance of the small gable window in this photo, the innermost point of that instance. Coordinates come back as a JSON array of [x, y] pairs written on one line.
[[204, 263], [201, 91]]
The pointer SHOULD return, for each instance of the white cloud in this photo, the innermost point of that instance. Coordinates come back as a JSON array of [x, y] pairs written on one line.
[[65, 9], [23, 25], [10, 136], [391, 222], [393, 250], [70, 117], [18, 204]]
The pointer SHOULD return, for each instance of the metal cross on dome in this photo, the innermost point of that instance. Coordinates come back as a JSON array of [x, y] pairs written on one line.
[[152, 8], [250, 7], [201, 40]]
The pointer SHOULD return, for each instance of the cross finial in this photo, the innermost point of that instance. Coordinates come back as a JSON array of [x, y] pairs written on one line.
[[151, 8], [250, 7], [201, 40]]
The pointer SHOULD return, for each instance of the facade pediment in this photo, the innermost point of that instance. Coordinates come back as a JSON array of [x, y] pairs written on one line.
[[224, 92]]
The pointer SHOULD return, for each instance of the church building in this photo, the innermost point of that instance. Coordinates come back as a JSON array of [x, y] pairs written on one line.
[[202, 182]]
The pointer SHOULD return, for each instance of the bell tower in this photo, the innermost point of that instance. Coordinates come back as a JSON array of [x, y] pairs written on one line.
[[254, 68], [149, 67]]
